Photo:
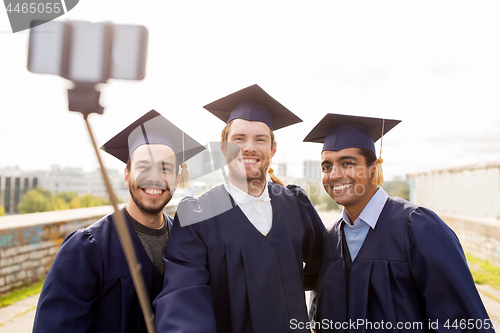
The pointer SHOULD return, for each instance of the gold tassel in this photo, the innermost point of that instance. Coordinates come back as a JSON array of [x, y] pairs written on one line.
[[378, 177], [184, 181], [275, 179]]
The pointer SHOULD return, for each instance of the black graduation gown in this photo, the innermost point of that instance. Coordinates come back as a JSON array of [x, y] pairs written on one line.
[[89, 287], [410, 269], [223, 275]]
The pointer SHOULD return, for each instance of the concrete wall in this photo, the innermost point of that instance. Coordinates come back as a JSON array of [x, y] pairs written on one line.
[[479, 238], [472, 191], [468, 199], [29, 242]]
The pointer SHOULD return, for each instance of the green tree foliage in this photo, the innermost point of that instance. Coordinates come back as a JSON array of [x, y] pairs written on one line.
[[90, 200], [35, 200], [41, 200], [75, 203], [58, 204], [323, 201], [319, 198], [67, 196], [2, 210], [397, 188]]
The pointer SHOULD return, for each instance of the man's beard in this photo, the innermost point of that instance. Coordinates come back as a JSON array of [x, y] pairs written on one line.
[[153, 211]]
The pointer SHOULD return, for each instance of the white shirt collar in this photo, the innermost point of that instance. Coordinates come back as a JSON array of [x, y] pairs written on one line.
[[241, 197], [372, 210]]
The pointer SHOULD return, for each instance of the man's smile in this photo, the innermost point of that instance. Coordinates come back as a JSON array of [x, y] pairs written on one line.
[[250, 160], [341, 187], [153, 192]]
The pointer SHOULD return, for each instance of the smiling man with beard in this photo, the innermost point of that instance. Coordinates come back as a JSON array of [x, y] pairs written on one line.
[[89, 287], [242, 254], [389, 265]]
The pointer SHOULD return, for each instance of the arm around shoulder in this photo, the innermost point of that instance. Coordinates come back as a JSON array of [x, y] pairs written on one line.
[[312, 248], [185, 304]]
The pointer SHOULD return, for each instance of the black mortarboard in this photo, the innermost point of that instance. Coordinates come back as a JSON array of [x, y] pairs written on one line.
[[152, 128], [254, 104], [339, 131]]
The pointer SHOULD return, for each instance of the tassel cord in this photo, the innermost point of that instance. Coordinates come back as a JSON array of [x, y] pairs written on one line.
[[378, 178], [184, 180], [273, 177]]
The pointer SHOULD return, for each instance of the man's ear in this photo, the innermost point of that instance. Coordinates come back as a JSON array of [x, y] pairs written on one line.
[[223, 146], [177, 181], [372, 168], [126, 177], [273, 151]]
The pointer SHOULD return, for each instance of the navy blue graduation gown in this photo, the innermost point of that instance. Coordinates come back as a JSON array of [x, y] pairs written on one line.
[[89, 287], [223, 275], [410, 269]]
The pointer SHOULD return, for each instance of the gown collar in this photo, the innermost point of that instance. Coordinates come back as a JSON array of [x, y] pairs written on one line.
[[241, 197], [372, 210]]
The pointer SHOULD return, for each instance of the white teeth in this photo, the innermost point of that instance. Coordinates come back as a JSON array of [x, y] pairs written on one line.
[[249, 160], [341, 187], [152, 191]]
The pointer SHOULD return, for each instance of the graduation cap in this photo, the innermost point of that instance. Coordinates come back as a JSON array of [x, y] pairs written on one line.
[[153, 128], [253, 104], [339, 131]]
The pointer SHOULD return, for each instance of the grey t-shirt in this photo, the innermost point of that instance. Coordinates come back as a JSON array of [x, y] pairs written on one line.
[[153, 240]]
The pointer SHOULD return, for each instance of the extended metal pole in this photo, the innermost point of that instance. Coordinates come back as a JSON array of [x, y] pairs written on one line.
[[126, 242]]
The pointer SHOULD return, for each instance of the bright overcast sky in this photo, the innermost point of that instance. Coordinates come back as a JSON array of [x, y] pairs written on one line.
[[433, 64]]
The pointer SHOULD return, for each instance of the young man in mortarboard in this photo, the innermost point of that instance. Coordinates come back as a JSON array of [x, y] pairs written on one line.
[[89, 287], [389, 265], [235, 261]]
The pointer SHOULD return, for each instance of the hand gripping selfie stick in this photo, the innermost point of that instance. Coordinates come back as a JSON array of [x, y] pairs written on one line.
[[87, 54]]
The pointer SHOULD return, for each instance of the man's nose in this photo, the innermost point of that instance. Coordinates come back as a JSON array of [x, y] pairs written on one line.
[[336, 173], [248, 146], [152, 174]]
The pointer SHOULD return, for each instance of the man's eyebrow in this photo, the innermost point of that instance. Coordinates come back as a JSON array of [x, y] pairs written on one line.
[[142, 162], [258, 135], [340, 159], [347, 157], [167, 163], [149, 162]]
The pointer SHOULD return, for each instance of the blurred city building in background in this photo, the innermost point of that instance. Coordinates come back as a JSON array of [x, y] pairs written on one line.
[[312, 170], [14, 182]]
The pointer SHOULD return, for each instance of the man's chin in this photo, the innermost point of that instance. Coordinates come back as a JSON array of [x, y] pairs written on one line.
[[250, 178], [151, 212], [255, 175], [153, 209]]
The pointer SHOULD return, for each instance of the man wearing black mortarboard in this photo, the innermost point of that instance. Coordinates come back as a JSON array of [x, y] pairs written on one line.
[[235, 261], [389, 265], [89, 287]]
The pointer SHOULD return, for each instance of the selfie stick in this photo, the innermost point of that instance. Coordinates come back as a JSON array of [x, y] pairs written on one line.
[[79, 100], [87, 54]]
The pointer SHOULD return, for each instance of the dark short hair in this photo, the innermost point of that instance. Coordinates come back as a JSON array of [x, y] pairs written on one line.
[[369, 156]]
